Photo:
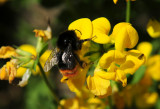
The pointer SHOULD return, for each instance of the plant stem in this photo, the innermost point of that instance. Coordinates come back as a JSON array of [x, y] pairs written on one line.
[[128, 9], [48, 84], [110, 102]]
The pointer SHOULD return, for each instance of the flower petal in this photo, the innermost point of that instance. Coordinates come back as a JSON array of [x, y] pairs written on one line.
[[121, 76], [145, 47], [7, 52], [29, 48], [99, 86], [153, 67], [125, 36], [76, 83], [8, 71], [82, 27], [133, 61], [153, 28], [25, 78], [111, 56], [101, 28], [45, 34]]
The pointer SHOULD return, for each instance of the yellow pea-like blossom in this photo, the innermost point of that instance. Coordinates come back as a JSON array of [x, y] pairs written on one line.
[[153, 28], [114, 64], [8, 71], [152, 62], [7, 52], [85, 101], [45, 34], [31, 49], [146, 48], [124, 36], [101, 28], [153, 67], [12, 69]]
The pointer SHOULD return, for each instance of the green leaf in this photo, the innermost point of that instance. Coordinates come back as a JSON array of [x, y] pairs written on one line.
[[138, 75]]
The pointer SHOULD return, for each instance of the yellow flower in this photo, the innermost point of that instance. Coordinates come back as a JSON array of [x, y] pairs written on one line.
[[153, 28], [101, 28], [146, 48], [153, 67], [85, 101], [7, 52], [121, 63], [83, 29], [31, 49], [22, 56], [124, 36], [8, 71], [153, 62], [45, 34]]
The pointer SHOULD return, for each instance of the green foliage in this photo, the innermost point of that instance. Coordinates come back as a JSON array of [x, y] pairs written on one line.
[[38, 96], [138, 75], [158, 104]]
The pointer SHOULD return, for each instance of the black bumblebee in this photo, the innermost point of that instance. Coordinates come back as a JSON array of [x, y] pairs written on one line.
[[64, 55]]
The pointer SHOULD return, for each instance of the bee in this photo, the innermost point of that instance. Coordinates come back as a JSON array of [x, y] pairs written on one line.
[[64, 55]]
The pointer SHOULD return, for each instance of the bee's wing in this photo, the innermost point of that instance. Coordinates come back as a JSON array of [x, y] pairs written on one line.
[[51, 61]]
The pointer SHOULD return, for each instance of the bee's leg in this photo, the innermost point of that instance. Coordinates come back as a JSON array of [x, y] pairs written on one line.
[[81, 63], [80, 42]]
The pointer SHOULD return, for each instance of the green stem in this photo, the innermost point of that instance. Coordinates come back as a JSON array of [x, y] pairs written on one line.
[[128, 9], [48, 84], [110, 102]]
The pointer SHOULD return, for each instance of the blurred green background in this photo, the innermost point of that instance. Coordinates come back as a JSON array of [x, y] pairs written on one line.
[[18, 19]]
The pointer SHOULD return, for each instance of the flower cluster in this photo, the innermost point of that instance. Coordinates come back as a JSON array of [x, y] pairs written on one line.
[[24, 59], [113, 63]]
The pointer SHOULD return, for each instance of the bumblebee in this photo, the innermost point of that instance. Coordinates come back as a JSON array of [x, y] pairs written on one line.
[[64, 55]]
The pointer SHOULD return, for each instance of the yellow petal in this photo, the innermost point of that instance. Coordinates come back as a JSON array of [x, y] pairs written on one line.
[[111, 56], [115, 1], [145, 48], [103, 74], [20, 72], [76, 83], [83, 28], [7, 52], [121, 76], [153, 67], [8, 71], [153, 28], [125, 36], [99, 86], [11, 68], [29, 48], [3, 73], [101, 28], [45, 34], [134, 60]]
